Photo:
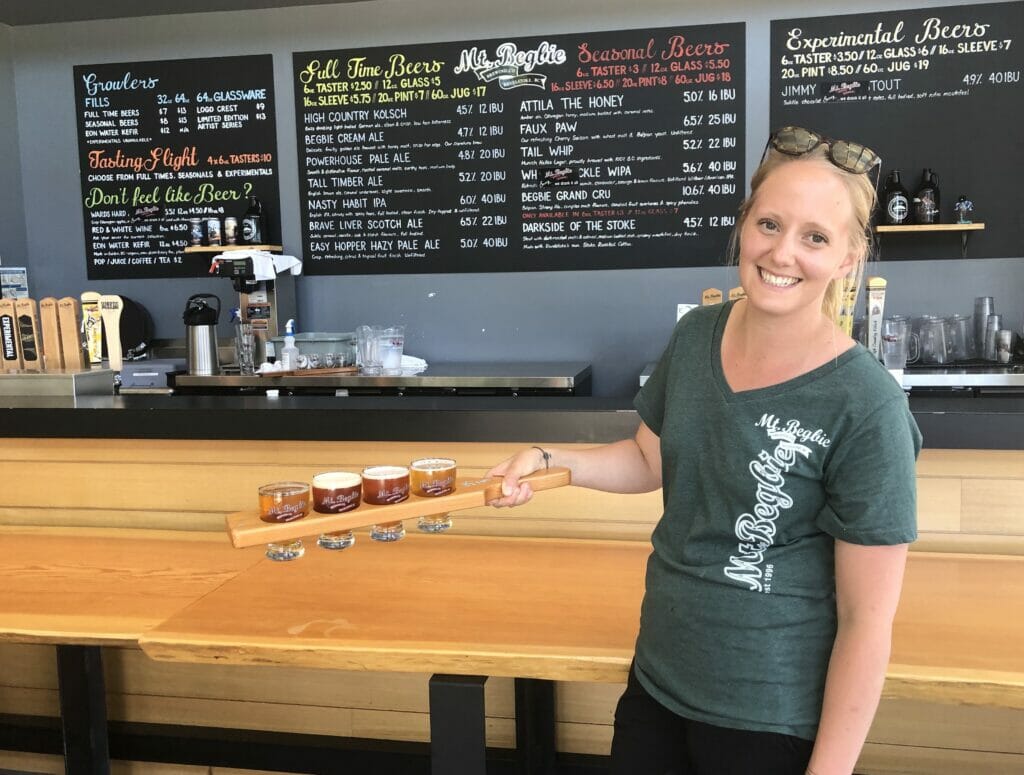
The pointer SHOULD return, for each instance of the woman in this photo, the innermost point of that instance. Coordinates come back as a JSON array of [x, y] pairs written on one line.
[[785, 453]]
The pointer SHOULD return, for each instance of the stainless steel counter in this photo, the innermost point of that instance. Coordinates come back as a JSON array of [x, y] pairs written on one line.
[[524, 378], [970, 377]]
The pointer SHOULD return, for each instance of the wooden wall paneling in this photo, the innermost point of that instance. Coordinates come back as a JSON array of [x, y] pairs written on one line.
[[312, 453], [972, 463], [994, 506], [45, 764], [938, 504], [129, 671], [969, 543], [28, 665], [205, 521], [29, 702], [879, 759], [946, 725]]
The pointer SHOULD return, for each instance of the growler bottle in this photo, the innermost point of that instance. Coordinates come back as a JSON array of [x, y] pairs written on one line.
[[254, 224], [926, 200], [896, 201]]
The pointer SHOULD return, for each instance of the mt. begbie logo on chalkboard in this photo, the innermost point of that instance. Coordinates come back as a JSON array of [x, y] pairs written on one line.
[[508, 62]]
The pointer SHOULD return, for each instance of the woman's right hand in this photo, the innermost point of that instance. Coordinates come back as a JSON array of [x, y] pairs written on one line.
[[514, 492]]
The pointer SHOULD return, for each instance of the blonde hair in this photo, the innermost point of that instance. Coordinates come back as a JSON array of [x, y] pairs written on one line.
[[862, 199]]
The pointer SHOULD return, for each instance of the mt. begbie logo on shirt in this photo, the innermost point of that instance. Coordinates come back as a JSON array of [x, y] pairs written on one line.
[[756, 529]]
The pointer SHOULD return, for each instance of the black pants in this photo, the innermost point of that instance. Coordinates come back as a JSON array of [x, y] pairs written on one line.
[[652, 740]]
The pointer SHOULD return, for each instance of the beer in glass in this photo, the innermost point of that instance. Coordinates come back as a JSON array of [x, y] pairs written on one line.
[[335, 493], [433, 477], [284, 502], [384, 485]]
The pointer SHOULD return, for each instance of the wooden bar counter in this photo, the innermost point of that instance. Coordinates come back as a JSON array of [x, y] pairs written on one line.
[[559, 609], [97, 464], [98, 587]]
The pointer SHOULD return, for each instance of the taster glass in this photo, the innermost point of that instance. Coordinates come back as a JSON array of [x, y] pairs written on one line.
[[284, 502], [433, 477], [335, 493], [384, 485]]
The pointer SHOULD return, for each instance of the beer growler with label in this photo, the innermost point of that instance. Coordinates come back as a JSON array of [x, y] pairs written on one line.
[[926, 200], [895, 201], [254, 223]]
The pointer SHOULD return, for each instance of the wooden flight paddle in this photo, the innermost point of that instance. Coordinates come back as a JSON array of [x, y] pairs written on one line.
[[247, 529]]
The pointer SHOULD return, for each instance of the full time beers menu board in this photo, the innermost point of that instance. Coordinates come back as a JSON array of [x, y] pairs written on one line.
[[587, 151], [932, 87], [163, 142]]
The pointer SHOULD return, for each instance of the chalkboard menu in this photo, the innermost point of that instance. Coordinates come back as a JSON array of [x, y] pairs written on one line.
[[161, 143], [932, 87], [602, 150]]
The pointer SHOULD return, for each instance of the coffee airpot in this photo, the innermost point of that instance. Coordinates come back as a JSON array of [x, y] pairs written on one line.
[[201, 335]]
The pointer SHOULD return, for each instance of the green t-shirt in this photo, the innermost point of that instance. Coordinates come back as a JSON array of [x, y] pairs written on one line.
[[739, 615]]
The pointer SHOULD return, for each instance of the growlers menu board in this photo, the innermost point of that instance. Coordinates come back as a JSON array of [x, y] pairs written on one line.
[[586, 151], [930, 87], [163, 142]]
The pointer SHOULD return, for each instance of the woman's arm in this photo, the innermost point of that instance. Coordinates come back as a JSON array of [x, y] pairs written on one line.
[[631, 465], [868, 582]]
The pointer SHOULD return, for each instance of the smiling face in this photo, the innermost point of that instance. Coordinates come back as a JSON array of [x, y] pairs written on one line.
[[796, 238]]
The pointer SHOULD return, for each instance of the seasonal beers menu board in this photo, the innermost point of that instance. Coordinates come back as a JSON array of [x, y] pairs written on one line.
[[162, 143], [585, 151]]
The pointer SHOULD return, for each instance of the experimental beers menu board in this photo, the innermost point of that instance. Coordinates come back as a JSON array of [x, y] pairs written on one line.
[[161, 143], [936, 87], [603, 150]]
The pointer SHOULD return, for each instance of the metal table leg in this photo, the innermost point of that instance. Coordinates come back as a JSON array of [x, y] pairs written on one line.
[[535, 726], [458, 741], [83, 710]]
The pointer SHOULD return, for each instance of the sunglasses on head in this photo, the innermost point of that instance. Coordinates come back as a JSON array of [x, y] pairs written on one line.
[[849, 156]]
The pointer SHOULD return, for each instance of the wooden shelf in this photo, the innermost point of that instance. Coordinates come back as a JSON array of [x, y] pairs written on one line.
[[931, 227], [960, 228], [226, 248]]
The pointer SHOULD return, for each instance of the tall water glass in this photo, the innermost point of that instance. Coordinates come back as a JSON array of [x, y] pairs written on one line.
[[368, 350], [983, 307], [961, 333], [992, 327], [245, 349]]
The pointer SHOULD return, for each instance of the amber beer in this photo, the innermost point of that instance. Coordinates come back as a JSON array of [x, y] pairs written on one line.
[[336, 492], [284, 501], [432, 477], [384, 485]]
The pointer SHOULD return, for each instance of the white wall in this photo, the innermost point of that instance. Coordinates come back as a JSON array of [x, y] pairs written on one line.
[[617, 320]]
